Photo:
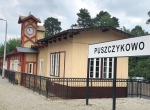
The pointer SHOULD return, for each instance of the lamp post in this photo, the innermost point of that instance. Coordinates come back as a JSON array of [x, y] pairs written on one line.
[[4, 56]]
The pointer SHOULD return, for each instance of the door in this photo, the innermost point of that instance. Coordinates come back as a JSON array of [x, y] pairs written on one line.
[[16, 65]]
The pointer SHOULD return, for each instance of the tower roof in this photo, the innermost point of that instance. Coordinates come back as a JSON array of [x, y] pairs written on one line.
[[24, 18]]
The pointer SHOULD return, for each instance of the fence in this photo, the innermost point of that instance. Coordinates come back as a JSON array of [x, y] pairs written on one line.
[[75, 88]]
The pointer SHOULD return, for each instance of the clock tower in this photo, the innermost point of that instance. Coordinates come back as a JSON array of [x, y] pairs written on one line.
[[29, 30]]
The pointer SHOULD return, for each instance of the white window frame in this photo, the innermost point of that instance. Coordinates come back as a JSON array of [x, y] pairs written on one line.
[[30, 64], [16, 65], [94, 68], [107, 68], [101, 66], [54, 68], [5, 64], [41, 67], [52, 64], [57, 64]]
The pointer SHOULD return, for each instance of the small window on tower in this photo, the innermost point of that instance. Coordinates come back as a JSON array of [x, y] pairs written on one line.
[[30, 68]]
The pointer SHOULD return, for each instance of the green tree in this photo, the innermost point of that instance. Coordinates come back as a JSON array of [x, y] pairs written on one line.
[[84, 19], [148, 21], [132, 66], [126, 30], [103, 18], [11, 44], [1, 49], [74, 26], [138, 31], [139, 66], [52, 26], [115, 22]]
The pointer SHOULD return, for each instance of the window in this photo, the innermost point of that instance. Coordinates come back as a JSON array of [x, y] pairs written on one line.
[[104, 67], [5, 64], [41, 67], [95, 67], [52, 63], [55, 64], [11, 62], [108, 64], [30, 68], [16, 65], [101, 67]]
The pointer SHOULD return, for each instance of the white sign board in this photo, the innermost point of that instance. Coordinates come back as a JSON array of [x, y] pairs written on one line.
[[136, 46]]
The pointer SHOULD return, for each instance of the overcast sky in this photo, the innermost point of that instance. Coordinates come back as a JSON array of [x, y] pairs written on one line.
[[129, 12]]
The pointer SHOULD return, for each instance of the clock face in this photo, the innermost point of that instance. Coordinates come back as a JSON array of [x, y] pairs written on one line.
[[30, 30]]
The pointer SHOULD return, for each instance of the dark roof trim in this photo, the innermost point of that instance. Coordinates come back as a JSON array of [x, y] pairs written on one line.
[[23, 50], [26, 50], [76, 31], [40, 30]]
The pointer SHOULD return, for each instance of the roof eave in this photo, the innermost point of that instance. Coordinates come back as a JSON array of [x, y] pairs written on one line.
[[82, 29], [31, 16]]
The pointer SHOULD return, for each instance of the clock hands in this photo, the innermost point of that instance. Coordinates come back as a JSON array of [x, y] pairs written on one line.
[[30, 30]]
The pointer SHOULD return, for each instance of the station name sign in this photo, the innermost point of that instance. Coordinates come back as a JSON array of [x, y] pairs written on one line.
[[136, 46]]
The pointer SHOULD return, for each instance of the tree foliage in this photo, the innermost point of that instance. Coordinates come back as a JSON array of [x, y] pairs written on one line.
[[138, 66], [138, 31], [11, 44], [73, 26], [126, 30], [148, 21], [103, 18], [52, 26], [84, 19]]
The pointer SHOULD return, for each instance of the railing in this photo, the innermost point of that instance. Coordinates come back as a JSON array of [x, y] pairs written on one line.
[[75, 88]]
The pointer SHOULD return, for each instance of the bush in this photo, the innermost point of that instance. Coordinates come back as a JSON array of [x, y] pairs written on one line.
[[16, 81]]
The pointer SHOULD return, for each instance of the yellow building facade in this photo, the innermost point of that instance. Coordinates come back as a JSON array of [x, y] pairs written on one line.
[[71, 51], [65, 54]]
